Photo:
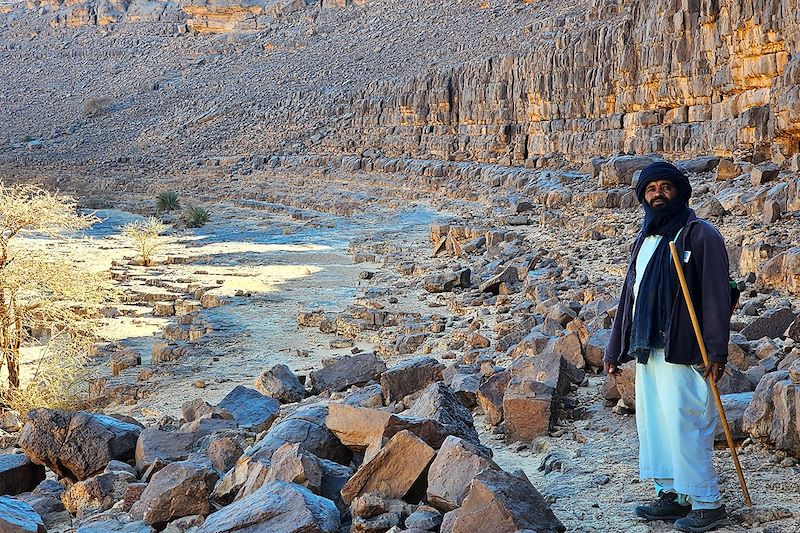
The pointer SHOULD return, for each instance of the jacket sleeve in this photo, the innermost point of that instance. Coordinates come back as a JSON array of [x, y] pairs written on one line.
[[712, 268], [615, 338]]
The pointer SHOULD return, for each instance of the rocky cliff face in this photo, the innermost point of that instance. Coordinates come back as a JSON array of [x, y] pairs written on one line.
[[679, 77]]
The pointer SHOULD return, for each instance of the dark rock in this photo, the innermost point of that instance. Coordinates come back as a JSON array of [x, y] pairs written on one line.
[[437, 402], [279, 382], [179, 489], [347, 371], [197, 409], [76, 445], [446, 282], [367, 396], [450, 474], [501, 502], [19, 517], [277, 507], [393, 471], [305, 426], [18, 474], [490, 396], [734, 405], [251, 409], [164, 446], [771, 324], [410, 376], [596, 347]]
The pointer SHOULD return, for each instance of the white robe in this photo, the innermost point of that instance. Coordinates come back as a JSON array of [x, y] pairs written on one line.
[[675, 417]]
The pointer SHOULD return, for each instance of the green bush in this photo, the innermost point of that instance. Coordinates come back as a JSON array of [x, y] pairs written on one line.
[[168, 201], [195, 217]]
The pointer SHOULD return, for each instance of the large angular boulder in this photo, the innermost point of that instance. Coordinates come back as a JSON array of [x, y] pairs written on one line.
[[529, 409], [772, 324], [365, 430], [96, 494], [19, 517], [456, 465], [115, 524], [504, 503], [198, 408], [447, 281], [77, 445], [277, 507], [164, 446], [279, 382], [289, 463], [735, 406], [393, 471], [251, 409], [596, 347], [490, 396], [346, 371], [438, 402], [758, 416], [410, 376], [179, 489], [19, 474], [306, 426]]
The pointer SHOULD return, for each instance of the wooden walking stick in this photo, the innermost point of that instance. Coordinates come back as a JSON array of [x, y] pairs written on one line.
[[711, 377]]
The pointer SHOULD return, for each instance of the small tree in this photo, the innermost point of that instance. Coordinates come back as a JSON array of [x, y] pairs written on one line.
[[146, 236], [39, 293]]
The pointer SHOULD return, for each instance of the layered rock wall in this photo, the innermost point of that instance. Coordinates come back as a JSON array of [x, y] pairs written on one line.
[[678, 77]]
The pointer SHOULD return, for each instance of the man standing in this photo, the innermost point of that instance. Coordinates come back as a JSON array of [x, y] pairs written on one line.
[[675, 411]]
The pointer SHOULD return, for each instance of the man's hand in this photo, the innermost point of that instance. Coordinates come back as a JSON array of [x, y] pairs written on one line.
[[714, 369], [611, 369]]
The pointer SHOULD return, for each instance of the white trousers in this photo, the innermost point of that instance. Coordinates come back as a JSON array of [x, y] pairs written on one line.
[[676, 419]]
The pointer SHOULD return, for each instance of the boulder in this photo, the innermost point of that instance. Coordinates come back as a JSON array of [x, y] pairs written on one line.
[[763, 173], [291, 464], [19, 517], [528, 409], [346, 371], [735, 405], [251, 409], [437, 402], [734, 381], [490, 396], [334, 477], [626, 384], [465, 384], [96, 494], [771, 324], [508, 276], [306, 426], [277, 507], [223, 452], [727, 169], [197, 409], [393, 471], [203, 427], [619, 170], [77, 445], [456, 464], [366, 396], [504, 503], [757, 420], [447, 281], [279, 382], [410, 376], [18, 474], [115, 525], [366, 430], [569, 346], [596, 347], [179, 489], [782, 271], [163, 446]]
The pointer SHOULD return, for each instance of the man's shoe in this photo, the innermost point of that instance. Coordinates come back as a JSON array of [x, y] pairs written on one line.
[[701, 520], [664, 508]]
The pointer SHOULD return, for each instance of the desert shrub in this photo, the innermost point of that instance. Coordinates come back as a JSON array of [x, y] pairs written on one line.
[[94, 107], [42, 293], [167, 201], [196, 217], [146, 237]]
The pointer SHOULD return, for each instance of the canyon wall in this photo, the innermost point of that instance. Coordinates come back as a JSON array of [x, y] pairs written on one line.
[[678, 77]]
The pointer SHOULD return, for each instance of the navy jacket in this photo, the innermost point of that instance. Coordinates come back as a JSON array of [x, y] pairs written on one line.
[[707, 276]]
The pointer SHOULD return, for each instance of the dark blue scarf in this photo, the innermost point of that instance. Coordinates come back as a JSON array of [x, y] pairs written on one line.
[[658, 288]]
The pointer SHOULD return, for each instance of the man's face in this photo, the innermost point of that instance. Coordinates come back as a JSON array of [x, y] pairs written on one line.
[[659, 193]]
